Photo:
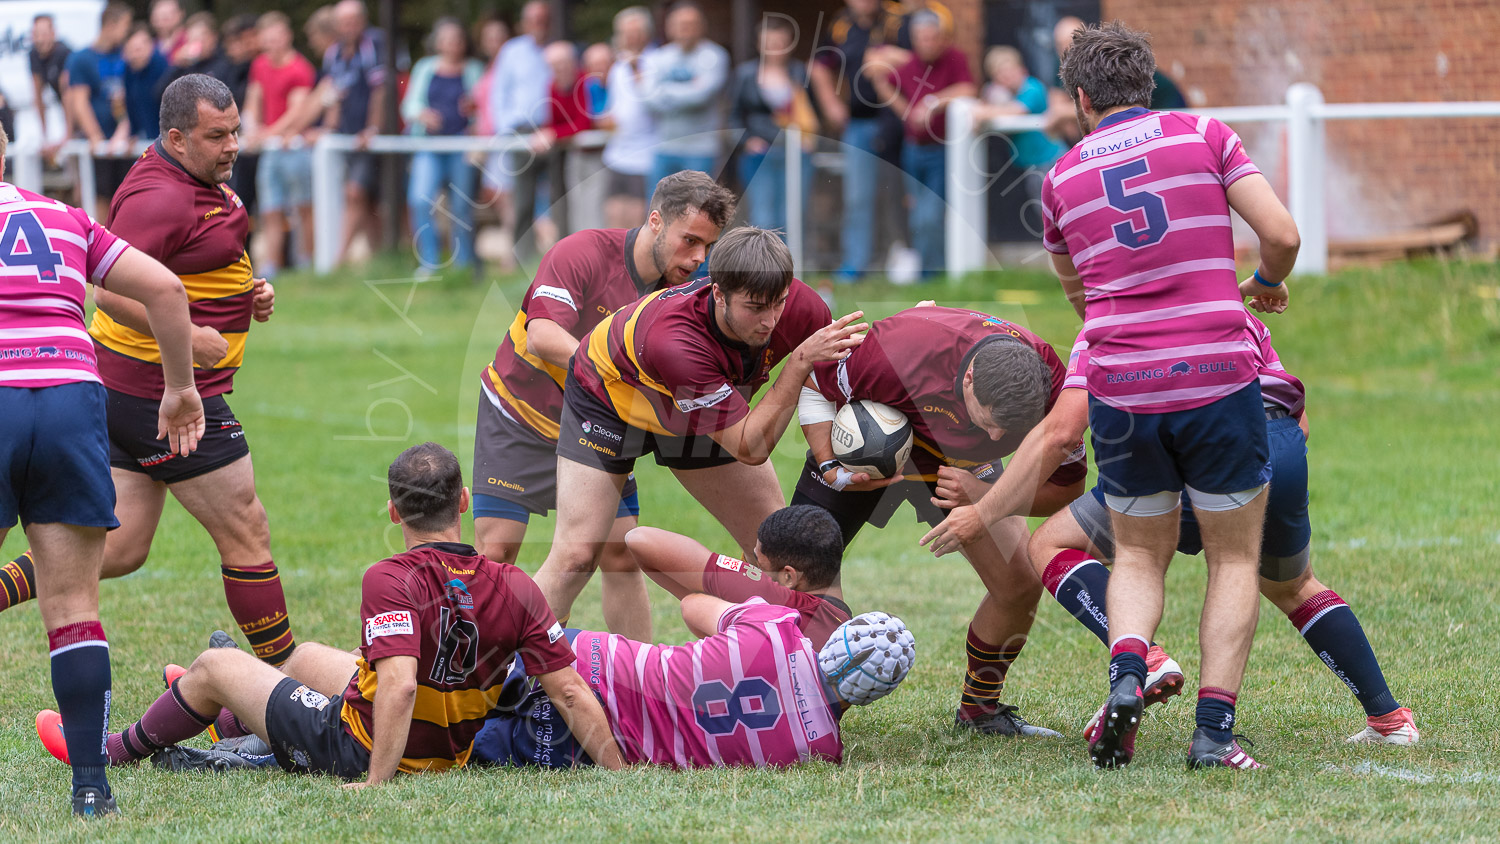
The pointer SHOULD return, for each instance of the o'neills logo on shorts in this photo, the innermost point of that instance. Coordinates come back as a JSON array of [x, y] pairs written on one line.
[[599, 448], [395, 623]]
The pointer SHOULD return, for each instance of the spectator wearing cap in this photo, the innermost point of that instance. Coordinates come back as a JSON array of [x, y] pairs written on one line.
[[439, 102], [685, 79]]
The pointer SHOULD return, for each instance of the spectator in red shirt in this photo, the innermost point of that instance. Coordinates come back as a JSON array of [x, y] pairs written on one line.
[[920, 91], [280, 79]]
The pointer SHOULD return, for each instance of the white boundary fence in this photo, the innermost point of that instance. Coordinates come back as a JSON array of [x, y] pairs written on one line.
[[329, 163], [1304, 114]]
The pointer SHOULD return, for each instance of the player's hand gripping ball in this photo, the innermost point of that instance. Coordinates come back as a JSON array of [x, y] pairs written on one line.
[[868, 656], [871, 437]]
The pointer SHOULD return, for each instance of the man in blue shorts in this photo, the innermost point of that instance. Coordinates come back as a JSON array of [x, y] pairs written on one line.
[[54, 444], [1137, 218]]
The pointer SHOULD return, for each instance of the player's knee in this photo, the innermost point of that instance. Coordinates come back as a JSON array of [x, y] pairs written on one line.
[[617, 558], [213, 665]]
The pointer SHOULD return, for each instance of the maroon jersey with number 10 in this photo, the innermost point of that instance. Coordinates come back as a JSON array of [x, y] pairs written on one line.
[[464, 618]]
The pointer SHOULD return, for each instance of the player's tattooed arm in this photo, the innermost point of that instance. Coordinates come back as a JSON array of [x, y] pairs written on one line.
[[394, 702], [575, 701]]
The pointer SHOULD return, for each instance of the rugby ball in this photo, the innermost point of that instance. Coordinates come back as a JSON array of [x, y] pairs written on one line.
[[871, 437]]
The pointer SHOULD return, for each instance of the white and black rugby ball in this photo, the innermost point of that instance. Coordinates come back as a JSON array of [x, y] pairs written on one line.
[[871, 437]]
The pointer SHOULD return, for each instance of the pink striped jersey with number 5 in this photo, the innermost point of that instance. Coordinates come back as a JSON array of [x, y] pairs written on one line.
[[1140, 205], [752, 695], [49, 252]]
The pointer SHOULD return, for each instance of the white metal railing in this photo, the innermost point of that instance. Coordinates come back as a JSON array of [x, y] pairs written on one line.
[[1304, 114], [328, 168]]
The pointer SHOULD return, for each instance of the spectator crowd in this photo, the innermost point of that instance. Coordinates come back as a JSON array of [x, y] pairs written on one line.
[[874, 86]]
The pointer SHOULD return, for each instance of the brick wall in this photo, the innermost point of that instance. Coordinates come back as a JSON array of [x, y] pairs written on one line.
[[1382, 175]]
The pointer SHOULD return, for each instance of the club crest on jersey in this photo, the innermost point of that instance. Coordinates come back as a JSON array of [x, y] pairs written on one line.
[[395, 623], [458, 593]]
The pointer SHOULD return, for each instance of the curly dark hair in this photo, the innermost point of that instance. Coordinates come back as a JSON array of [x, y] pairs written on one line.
[[806, 538]]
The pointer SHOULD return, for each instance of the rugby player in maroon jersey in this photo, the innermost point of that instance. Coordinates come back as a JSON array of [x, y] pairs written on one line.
[[971, 385], [581, 280], [673, 375]]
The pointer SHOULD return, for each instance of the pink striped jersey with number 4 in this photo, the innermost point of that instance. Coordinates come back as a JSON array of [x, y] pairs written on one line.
[[48, 253], [751, 695], [1140, 206]]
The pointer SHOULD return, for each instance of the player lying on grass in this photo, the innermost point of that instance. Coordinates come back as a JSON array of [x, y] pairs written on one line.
[[971, 385], [798, 551], [673, 374], [1073, 547], [757, 693], [441, 626], [584, 278]]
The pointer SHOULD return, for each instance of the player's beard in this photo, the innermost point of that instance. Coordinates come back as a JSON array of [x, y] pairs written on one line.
[[659, 262], [1083, 121]]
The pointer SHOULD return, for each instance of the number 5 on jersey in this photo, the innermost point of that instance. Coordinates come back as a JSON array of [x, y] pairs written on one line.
[[1148, 203]]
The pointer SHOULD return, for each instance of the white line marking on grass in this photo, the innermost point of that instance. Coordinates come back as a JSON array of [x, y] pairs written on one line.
[[1362, 543], [1409, 775]]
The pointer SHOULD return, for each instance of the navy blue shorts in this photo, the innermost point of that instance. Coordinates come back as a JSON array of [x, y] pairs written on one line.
[[1288, 530], [1218, 449], [54, 456], [525, 729]]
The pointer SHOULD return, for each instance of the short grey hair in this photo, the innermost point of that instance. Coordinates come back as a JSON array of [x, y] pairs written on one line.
[[1013, 382], [1112, 63], [640, 13], [179, 103]]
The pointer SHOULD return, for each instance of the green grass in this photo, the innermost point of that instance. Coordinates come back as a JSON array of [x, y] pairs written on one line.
[[1401, 366]]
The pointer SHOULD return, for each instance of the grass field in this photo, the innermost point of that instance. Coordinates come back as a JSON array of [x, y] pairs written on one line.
[[1403, 371]]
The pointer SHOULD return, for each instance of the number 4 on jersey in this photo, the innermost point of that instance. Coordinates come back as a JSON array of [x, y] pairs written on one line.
[[24, 230], [1150, 204]]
